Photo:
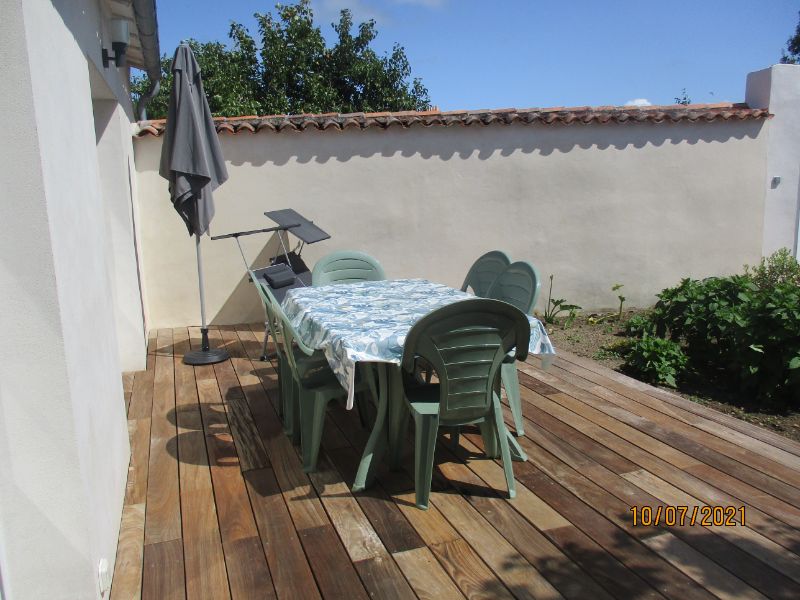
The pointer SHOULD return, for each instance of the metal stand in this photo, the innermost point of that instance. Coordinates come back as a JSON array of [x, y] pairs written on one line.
[[206, 355], [288, 220]]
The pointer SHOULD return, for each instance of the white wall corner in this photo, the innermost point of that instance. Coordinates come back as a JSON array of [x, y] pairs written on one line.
[[778, 89]]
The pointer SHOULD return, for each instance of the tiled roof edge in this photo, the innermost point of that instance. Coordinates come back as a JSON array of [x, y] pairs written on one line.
[[673, 113]]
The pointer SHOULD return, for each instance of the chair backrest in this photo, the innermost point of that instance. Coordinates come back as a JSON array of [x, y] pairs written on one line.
[[272, 309], [465, 343], [346, 266], [518, 285], [290, 339], [484, 271]]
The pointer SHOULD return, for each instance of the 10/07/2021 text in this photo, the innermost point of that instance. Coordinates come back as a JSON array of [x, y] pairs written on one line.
[[707, 516]]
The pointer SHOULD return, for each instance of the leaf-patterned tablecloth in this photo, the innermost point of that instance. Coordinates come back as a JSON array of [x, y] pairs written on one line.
[[368, 321]]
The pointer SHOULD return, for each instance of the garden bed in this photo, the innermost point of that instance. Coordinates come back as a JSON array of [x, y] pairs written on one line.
[[597, 340]]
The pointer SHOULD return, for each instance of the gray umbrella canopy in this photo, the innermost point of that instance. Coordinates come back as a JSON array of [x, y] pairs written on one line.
[[191, 157], [191, 160]]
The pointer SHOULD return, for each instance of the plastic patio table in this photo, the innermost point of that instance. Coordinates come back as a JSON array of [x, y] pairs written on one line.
[[368, 322]]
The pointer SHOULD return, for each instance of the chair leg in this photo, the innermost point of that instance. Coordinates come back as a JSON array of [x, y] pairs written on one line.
[[283, 381], [510, 378], [264, 356], [292, 416], [362, 407], [426, 427], [489, 434], [454, 435], [500, 429], [312, 419]]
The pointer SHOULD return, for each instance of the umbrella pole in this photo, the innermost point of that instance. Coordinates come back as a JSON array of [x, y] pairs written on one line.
[[206, 355], [202, 284]]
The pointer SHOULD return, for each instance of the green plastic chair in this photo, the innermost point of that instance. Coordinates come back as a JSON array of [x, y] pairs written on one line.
[[286, 409], [315, 385], [484, 271], [465, 343], [346, 266], [517, 285]]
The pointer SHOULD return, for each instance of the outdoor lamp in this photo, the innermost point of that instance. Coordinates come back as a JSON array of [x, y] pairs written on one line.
[[120, 37]]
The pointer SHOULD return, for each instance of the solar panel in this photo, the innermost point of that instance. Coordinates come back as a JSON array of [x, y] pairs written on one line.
[[306, 231]]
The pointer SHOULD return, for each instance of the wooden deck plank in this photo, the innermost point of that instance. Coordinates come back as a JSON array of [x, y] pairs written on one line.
[[540, 552], [206, 443], [383, 578], [617, 538], [206, 575], [139, 436], [426, 575], [335, 574], [163, 576], [127, 581], [559, 406], [291, 573], [233, 504], [392, 527], [163, 512], [772, 572], [777, 477], [141, 403], [249, 448], [248, 573], [706, 412], [472, 577], [701, 569], [732, 558], [127, 388], [354, 529], [720, 432], [706, 473], [508, 565], [301, 498]]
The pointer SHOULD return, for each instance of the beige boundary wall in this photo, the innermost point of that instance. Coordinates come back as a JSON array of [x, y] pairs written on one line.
[[640, 204]]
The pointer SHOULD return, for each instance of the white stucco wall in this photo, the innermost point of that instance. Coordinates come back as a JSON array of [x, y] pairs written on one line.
[[778, 88], [117, 180], [63, 431], [638, 204]]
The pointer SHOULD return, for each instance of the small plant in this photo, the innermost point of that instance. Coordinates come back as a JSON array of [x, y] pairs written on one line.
[[657, 360], [558, 306], [596, 319], [639, 325], [614, 288], [779, 267], [616, 349]]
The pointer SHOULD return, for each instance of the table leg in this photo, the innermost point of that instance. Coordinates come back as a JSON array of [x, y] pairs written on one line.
[[398, 417], [376, 444]]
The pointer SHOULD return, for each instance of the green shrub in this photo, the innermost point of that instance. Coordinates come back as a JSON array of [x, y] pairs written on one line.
[[780, 267], [746, 326], [656, 359]]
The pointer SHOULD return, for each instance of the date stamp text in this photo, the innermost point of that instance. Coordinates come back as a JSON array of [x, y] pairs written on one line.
[[706, 516]]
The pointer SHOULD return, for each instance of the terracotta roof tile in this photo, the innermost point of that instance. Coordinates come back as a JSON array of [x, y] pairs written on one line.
[[673, 113]]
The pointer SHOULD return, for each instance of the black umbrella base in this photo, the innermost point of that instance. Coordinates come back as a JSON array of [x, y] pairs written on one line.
[[205, 357]]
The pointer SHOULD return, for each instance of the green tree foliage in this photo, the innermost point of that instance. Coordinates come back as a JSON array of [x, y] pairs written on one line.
[[683, 98], [791, 55], [293, 71]]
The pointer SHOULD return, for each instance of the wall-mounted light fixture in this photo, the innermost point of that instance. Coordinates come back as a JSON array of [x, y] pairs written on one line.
[[120, 38]]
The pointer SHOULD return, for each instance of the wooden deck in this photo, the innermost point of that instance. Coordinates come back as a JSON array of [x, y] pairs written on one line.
[[218, 506]]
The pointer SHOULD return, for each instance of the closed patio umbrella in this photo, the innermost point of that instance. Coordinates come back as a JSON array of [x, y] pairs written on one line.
[[192, 162]]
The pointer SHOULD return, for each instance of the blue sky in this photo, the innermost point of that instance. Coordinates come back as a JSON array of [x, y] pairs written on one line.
[[475, 54]]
